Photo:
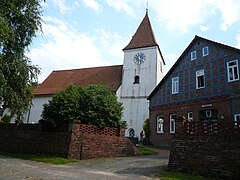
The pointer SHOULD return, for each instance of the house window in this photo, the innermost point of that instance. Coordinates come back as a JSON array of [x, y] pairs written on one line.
[[233, 71], [237, 120], [172, 123], [205, 51], [190, 116], [208, 113], [200, 80], [193, 55], [160, 124], [136, 80], [175, 85]]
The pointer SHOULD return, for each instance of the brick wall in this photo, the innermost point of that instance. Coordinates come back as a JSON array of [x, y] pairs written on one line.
[[79, 141], [92, 141], [222, 104], [30, 139], [210, 150]]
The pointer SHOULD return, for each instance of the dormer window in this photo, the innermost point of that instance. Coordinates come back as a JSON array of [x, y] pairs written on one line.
[[193, 55], [205, 51], [136, 79]]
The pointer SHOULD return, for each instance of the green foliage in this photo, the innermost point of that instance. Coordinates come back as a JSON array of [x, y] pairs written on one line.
[[146, 151], [6, 119], [19, 22], [96, 105], [146, 128]]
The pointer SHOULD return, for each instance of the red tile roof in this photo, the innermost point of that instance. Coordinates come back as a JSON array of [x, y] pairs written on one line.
[[144, 36], [110, 76]]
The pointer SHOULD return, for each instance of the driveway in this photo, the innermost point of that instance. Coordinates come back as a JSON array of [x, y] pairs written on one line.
[[138, 167]]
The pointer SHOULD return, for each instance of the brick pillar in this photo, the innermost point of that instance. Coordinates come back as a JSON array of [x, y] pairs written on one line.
[[179, 124]]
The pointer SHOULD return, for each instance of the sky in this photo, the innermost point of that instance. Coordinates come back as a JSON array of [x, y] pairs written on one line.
[[90, 33]]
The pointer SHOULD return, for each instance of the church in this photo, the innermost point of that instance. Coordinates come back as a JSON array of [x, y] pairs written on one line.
[[132, 82]]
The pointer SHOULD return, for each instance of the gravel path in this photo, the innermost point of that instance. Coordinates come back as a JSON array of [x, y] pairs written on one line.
[[139, 167]]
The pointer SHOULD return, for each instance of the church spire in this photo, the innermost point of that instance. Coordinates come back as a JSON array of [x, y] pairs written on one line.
[[144, 36], [147, 7]]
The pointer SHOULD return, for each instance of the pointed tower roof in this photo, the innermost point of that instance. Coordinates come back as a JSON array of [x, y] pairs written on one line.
[[144, 36]]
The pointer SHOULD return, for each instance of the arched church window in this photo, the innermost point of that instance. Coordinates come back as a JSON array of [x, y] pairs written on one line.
[[136, 79]]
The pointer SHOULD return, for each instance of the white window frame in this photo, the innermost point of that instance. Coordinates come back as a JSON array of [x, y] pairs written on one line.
[[190, 116], [193, 55], [200, 73], [203, 51], [175, 85], [172, 123], [160, 126], [208, 113], [232, 68], [235, 119]]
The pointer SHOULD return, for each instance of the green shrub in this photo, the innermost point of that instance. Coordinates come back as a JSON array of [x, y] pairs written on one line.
[[95, 104], [6, 119]]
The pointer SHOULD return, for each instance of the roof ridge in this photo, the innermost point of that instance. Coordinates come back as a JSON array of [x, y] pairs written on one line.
[[85, 68]]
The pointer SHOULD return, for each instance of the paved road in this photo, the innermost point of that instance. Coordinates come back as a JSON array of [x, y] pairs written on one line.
[[140, 167]]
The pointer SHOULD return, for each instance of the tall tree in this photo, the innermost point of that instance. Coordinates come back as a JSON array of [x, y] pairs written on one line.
[[20, 20]]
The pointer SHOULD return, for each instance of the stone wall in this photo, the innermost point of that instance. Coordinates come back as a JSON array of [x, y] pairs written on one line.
[[77, 141], [208, 149]]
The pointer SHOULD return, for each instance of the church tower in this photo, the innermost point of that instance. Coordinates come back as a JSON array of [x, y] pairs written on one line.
[[142, 71]]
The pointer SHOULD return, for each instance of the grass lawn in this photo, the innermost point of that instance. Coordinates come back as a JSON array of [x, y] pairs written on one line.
[[178, 176], [39, 158], [145, 151]]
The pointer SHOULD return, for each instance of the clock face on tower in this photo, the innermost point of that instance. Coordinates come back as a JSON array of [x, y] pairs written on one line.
[[139, 58]]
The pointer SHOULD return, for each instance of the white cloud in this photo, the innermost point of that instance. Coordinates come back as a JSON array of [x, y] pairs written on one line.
[[121, 5], [204, 28], [238, 40], [229, 10], [61, 4], [113, 43], [93, 5], [65, 49], [181, 15], [170, 59]]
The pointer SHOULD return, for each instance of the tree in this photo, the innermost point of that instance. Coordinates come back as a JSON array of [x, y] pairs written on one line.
[[146, 128], [95, 104], [20, 20]]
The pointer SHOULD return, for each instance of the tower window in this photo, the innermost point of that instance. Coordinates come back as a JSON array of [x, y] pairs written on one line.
[[136, 80]]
